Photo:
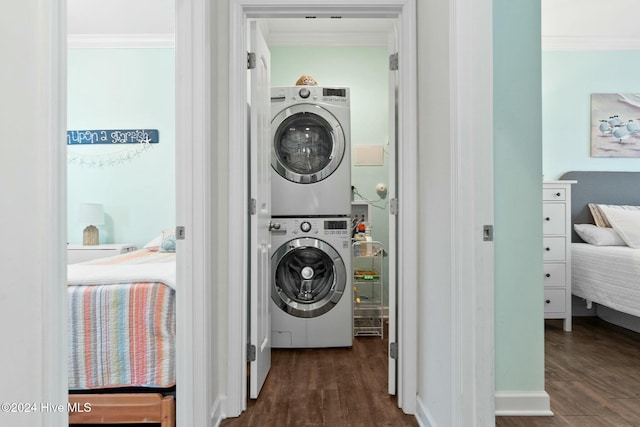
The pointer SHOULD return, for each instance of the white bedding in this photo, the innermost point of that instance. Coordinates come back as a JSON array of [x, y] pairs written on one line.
[[607, 275], [131, 267]]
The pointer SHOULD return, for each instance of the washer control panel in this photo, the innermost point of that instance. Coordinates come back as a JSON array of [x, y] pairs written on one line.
[[316, 226]]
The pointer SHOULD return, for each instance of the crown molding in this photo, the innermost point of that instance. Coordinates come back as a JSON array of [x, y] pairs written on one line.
[[120, 41], [335, 39], [582, 43]]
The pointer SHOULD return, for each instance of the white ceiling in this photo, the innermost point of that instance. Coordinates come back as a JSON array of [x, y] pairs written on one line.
[[561, 19], [590, 18]]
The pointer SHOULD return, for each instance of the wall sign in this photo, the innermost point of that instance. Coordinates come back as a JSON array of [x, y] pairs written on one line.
[[112, 147], [111, 136]]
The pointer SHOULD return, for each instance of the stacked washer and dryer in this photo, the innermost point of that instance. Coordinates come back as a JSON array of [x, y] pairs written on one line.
[[311, 201]]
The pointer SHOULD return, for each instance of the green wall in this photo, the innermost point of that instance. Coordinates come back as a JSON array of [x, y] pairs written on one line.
[[123, 89], [519, 325], [566, 106], [365, 71]]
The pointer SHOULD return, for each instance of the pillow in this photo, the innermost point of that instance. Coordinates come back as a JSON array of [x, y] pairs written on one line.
[[599, 217], [154, 244], [168, 241], [599, 236], [626, 222]]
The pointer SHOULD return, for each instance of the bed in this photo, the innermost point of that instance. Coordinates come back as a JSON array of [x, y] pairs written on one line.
[[122, 339], [605, 269]]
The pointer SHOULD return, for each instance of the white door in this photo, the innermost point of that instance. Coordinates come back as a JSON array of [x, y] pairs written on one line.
[[260, 193], [392, 197]]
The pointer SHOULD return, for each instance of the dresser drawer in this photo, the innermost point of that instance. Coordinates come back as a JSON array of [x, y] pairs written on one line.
[[554, 275], [554, 194], [554, 300], [554, 219], [554, 248]]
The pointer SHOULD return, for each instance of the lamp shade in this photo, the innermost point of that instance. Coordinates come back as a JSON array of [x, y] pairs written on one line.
[[91, 214]]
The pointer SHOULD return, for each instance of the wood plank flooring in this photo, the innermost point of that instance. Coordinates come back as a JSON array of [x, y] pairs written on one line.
[[341, 387], [592, 376]]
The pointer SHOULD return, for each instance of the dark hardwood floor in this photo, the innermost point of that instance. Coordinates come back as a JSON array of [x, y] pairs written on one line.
[[339, 387], [592, 376]]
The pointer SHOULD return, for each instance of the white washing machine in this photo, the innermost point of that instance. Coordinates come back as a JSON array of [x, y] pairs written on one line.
[[311, 287], [311, 154]]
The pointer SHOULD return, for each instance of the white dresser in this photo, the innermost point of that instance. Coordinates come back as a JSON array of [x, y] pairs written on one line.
[[556, 229], [81, 253]]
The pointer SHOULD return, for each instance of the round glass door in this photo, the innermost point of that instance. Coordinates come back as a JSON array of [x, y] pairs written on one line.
[[308, 143], [309, 277]]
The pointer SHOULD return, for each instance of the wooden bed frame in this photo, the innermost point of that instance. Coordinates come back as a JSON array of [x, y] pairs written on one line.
[[120, 408]]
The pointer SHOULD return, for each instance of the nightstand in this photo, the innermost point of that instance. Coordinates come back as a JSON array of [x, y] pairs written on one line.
[[81, 253]]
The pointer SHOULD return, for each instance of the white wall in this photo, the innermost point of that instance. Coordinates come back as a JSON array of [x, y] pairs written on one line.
[[435, 367], [33, 277]]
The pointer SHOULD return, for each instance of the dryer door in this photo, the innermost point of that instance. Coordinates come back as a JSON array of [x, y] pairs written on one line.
[[309, 277], [308, 143]]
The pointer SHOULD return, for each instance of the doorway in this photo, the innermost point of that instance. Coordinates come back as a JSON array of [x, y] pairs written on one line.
[[405, 365], [352, 53]]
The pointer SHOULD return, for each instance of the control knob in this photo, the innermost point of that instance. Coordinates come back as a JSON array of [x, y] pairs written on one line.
[[304, 92], [305, 226]]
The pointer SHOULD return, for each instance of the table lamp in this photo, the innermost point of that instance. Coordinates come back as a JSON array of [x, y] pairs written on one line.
[[93, 214]]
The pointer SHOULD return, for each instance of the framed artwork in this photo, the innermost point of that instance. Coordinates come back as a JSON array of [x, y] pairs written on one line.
[[615, 125]]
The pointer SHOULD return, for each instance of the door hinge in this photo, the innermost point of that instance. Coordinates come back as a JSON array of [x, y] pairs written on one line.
[[251, 60], [393, 62], [251, 353], [393, 350], [487, 233], [393, 206], [180, 232], [252, 207]]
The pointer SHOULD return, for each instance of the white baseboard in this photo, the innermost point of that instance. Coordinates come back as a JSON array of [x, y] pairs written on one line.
[[422, 414], [216, 413], [535, 403]]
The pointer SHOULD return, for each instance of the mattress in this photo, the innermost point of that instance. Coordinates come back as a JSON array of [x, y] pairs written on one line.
[[122, 321], [607, 275]]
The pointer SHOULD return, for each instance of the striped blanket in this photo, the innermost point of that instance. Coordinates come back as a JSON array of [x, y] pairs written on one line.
[[121, 334]]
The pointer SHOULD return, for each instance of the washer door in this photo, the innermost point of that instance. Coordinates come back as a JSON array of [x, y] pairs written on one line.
[[309, 277], [308, 143]]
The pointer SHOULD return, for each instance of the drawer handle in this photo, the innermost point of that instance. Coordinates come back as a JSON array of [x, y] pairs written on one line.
[[558, 194], [548, 301], [547, 249], [547, 219], [547, 275]]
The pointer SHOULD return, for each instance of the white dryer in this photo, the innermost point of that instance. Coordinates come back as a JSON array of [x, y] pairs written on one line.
[[311, 154], [311, 287]]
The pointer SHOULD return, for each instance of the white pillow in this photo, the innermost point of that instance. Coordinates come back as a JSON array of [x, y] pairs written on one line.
[[626, 223], [600, 218], [599, 236]]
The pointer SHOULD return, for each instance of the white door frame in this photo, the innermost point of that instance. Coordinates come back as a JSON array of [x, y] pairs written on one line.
[[201, 374], [404, 10]]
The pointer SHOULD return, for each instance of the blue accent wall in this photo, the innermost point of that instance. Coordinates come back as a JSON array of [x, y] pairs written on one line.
[[519, 325], [123, 89], [568, 80]]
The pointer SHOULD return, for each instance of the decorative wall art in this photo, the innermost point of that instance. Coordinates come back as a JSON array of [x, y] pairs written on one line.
[[112, 147], [615, 125]]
